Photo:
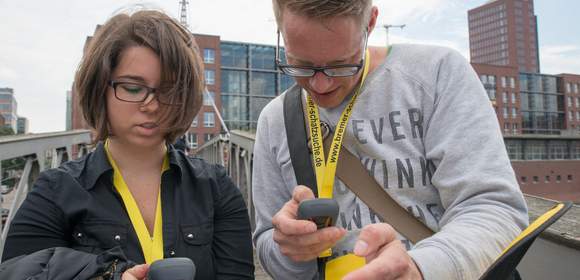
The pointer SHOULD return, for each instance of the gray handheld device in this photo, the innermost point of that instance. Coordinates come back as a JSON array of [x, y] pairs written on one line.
[[172, 269], [322, 211]]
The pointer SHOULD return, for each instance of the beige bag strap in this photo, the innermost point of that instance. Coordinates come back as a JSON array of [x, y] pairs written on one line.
[[356, 177]]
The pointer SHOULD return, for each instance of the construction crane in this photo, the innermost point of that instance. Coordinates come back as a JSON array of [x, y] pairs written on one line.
[[389, 26], [183, 13]]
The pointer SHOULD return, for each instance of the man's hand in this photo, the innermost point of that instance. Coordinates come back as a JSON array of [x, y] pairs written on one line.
[[137, 272], [385, 255], [299, 239]]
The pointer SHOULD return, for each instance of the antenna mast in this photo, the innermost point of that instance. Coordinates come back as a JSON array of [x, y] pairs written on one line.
[[183, 13]]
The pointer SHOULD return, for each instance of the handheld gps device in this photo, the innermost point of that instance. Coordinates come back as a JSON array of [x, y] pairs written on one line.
[[172, 269], [322, 211]]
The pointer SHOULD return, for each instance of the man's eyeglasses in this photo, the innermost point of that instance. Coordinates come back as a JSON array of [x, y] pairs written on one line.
[[138, 93], [341, 70]]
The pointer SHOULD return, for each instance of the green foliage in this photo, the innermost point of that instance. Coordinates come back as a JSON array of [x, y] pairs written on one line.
[[6, 130]]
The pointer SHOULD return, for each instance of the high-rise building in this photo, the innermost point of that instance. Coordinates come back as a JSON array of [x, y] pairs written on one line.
[[505, 33], [539, 114], [22, 125], [8, 108]]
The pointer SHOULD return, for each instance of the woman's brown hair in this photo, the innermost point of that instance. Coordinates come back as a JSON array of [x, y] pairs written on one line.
[[181, 69]]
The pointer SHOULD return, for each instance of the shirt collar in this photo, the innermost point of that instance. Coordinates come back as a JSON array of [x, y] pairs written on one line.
[[97, 164]]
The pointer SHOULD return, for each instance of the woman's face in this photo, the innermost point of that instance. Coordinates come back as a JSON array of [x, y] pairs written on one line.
[[135, 123]]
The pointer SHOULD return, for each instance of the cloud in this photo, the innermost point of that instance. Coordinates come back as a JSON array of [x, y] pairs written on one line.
[[556, 59]]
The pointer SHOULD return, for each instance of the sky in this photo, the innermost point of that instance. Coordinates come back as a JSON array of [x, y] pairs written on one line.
[[41, 42]]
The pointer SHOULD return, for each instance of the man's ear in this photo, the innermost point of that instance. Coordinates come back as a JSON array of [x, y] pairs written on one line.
[[373, 19]]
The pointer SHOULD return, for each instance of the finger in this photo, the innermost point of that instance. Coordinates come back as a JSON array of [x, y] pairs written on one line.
[[325, 235], [393, 262], [373, 237], [301, 193], [136, 272], [306, 253], [286, 222], [313, 243]]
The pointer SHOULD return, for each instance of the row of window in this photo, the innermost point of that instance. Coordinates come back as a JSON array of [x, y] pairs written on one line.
[[547, 179], [514, 113], [524, 149], [510, 128], [193, 141], [572, 87], [570, 103], [489, 12], [208, 120], [571, 116], [498, 32]]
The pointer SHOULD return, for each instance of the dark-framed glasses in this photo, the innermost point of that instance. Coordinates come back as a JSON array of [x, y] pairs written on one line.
[[341, 70], [138, 93]]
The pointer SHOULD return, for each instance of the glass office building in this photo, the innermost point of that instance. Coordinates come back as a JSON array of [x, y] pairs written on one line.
[[542, 106], [249, 80]]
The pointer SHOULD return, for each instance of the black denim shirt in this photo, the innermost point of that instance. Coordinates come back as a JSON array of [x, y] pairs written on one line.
[[76, 206]]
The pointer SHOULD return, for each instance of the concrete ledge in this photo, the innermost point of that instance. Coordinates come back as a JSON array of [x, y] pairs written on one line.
[[566, 231]]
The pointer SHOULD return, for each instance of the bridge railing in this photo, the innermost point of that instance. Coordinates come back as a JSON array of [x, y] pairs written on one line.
[[39, 152], [235, 152]]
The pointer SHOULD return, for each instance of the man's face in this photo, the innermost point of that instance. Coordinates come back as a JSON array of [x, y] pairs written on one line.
[[311, 42]]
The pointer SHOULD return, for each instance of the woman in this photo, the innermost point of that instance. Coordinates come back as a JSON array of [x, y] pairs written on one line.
[[140, 85]]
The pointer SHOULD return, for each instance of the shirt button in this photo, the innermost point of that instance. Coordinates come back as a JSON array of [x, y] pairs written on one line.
[[117, 238], [190, 236], [171, 253]]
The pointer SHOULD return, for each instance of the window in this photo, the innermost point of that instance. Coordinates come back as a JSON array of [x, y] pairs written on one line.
[[578, 116], [208, 55], [569, 101], [514, 113], [234, 82], [208, 119], [209, 77], [194, 123], [575, 88], [207, 137], [505, 113], [547, 178], [505, 97], [208, 98], [192, 139], [512, 82], [503, 81], [558, 178], [570, 116], [524, 179], [234, 55], [570, 178], [568, 87], [577, 102], [535, 179], [514, 98]]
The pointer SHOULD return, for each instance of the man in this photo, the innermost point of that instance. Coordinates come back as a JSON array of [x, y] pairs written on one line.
[[423, 127]]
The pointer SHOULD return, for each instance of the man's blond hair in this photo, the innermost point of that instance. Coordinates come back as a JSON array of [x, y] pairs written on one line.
[[324, 9]]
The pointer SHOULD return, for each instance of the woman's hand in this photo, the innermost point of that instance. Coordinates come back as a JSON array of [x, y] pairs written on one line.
[[137, 272]]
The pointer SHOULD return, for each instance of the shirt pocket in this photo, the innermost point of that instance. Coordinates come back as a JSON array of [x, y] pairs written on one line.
[[197, 234], [98, 236], [197, 246]]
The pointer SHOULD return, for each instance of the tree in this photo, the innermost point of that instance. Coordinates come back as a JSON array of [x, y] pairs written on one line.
[[6, 130]]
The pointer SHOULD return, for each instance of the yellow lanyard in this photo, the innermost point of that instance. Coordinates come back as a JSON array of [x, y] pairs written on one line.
[[152, 246], [326, 169]]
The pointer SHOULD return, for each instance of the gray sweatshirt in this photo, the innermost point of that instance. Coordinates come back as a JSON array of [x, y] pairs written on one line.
[[425, 129]]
